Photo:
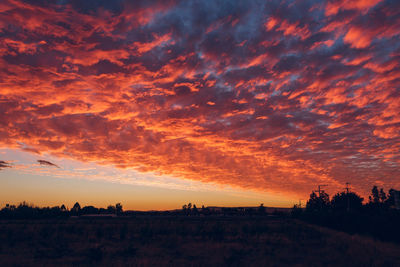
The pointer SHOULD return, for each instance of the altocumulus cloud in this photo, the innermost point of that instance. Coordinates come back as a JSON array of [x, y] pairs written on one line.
[[265, 95]]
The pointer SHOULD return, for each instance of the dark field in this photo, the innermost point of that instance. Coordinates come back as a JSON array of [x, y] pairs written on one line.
[[186, 241]]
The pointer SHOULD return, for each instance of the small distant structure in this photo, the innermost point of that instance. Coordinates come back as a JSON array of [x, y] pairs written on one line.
[[320, 189], [397, 199]]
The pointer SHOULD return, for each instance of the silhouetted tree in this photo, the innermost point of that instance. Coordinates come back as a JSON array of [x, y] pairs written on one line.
[[377, 198], [389, 202], [25, 210], [89, 210], [346, 201], [318, 203], [111, 209], [118, 208], [187, 208], [194, 210], [374, 198], [382, 195], [63, 208], [261, 208], [10, 207], [76, 209]]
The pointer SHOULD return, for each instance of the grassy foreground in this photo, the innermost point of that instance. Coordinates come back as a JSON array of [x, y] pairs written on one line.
[[186, 241]]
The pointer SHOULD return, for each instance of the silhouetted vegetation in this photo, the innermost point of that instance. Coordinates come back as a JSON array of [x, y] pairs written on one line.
[[28, 211], [378, 218], [232, 236], [177, 240]]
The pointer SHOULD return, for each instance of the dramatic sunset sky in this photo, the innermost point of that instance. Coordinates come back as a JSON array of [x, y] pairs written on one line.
[[157, 103]]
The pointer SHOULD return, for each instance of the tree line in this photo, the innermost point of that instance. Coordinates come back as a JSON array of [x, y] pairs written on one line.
[[28, 211], [346, 211], [192, 210]]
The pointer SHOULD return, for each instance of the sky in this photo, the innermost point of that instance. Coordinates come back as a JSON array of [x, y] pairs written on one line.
[[158, 103]]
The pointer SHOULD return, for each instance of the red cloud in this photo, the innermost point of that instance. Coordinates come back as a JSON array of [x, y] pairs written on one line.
[[357, 38], [333, 7], [272, 105]]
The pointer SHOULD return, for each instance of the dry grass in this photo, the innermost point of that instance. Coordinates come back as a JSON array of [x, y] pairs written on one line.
[[185, 241]]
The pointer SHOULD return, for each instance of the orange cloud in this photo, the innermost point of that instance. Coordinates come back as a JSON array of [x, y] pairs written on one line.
[[277, 105], [333, 7], [158, 40], [357, 38]]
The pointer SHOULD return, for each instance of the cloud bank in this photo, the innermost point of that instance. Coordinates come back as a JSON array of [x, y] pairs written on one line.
[[277, 95]]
